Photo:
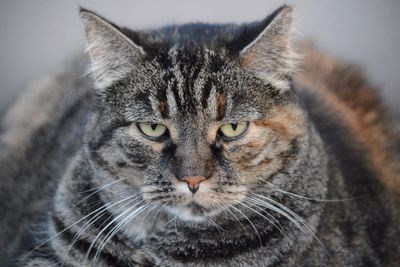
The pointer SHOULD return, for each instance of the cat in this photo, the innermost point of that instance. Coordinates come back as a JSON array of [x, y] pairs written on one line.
[[201, 145]]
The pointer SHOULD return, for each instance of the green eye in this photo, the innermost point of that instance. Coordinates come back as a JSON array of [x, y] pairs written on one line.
[[154, 130], [232, 130]]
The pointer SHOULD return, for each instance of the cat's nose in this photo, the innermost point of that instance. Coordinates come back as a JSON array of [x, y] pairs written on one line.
[[193, 182]]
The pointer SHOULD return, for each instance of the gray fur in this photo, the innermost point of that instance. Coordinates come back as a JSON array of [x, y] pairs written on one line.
[[279, 195]]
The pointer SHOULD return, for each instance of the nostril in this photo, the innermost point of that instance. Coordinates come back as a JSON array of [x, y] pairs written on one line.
[[193, 182]]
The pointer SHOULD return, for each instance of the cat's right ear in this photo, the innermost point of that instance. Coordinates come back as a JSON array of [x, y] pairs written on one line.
[[113, 54]]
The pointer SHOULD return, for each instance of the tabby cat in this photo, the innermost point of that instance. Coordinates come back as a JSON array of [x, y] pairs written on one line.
[[200, 145]]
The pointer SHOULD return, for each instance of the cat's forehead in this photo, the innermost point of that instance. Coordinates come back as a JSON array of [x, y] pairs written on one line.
[[196, 59], [183, 84]]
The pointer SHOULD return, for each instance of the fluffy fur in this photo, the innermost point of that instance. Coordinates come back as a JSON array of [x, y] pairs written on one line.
[[311, 181]]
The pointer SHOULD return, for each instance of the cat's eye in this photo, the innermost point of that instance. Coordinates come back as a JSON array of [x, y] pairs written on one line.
[[232, 130], [153, 130]]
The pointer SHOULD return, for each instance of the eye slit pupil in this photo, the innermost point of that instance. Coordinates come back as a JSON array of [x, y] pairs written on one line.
[[234, 126], [153, 126]]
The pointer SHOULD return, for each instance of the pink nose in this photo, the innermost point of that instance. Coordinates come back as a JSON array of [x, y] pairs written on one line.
[[193, 182]]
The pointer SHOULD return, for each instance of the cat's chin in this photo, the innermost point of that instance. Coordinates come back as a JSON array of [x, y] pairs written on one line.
[[193, 212]]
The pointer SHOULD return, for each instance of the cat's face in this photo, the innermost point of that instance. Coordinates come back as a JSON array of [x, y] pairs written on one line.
[[193, 131]]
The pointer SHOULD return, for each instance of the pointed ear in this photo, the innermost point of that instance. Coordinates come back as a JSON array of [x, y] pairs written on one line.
[[113, 54], [270, 55]]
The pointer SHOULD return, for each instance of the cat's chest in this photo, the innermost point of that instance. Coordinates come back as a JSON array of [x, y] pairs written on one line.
[[213, 246]]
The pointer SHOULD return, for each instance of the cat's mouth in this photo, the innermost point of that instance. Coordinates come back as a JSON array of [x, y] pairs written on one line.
[[193, 211], [197, 209]]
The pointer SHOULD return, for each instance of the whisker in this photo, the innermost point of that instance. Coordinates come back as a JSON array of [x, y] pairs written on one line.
[[90, 223], [72, 225], [215, 224], [276, 209], [159, 210], [176, 221], [171, 220], [105, 228], [117, 228], [309, 198], [229, 206], [270, 221], [251, 223], [98, 189], [289, 213], [92, 204]]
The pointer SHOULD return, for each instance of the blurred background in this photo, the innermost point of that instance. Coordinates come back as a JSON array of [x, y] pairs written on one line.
[[38, 36]]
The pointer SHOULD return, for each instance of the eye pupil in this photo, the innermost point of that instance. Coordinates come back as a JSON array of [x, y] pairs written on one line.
[[234, 126], [233, 129], [153, 126]]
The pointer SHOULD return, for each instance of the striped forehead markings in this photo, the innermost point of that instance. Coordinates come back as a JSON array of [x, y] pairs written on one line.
[[188, 86]]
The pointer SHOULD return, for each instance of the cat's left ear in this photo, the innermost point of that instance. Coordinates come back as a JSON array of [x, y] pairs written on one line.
[[270, 55], [113, 54]]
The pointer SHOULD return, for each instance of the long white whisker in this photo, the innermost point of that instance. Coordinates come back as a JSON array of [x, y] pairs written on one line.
[[276, 209], [262, 210], [150, 210], [159, 210], [105, 228], [116, 228], [308, 198], [90, 223], [171, 220], [215, 224], [228, 208], [98, 189], [70, 226], [176, 221], [283, 207], [262, 215], [296, 216], [251, 223]]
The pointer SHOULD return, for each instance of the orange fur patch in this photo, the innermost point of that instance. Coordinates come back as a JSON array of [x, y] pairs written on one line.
[[268, 142], [221, 99], [163, 107], [248, 59], [288, 121]]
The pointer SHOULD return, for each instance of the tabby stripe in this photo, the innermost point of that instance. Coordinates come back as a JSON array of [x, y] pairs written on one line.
[[143, 99], [106, 135], [175, 93], [163, 102], [221, 105], [178, 90], [195, 74], [190, 100], [138, 162], [206, 92], [293, 150]]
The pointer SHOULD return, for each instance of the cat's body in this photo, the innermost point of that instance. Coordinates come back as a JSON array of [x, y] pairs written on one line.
[[317, 144]]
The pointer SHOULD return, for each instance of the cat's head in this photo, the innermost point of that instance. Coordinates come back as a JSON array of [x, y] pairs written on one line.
[[196, 117]]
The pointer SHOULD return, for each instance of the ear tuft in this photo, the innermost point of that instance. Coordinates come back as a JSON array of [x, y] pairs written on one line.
[[113, 54], [271, 55]]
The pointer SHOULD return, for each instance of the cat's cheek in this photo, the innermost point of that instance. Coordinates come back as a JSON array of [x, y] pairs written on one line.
[[243, 151], [259, 174], [120, 162]]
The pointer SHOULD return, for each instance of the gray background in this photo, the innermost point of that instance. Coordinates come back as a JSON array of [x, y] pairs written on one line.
[[37, 36]]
